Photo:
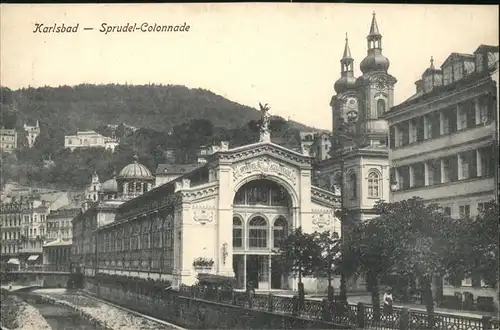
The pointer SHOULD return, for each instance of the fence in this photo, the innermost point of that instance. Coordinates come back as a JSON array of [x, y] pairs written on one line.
[[359, 316]]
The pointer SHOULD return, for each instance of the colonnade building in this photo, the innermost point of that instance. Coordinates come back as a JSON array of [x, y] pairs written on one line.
[[223, 217]]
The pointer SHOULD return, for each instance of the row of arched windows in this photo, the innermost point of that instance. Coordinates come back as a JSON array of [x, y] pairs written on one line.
[[257, 232], [374, 178]]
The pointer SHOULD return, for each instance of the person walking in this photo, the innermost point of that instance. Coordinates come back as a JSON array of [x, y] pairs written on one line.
[[388, 301]]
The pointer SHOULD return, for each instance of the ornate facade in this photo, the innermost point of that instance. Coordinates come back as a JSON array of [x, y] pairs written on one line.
[[231, 212], [359, 154]]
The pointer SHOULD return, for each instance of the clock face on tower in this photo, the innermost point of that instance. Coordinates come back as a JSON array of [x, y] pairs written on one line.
[[380, 83], [352, 103]]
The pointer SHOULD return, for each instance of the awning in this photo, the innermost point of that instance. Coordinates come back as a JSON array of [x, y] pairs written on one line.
[[13, 261], [33, 257]]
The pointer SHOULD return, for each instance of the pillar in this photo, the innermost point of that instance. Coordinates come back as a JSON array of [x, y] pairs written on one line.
[[244, 271], [441, 123], [269, 271]]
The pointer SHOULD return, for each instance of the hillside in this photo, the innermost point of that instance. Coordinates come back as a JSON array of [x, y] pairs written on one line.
[[165, 117], [156, 107]]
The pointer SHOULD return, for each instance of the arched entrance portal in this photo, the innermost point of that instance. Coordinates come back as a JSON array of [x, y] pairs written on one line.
[[262, 217]]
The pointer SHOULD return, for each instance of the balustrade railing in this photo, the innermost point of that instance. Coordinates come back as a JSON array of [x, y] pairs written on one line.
[[151, 298], [46, 268]]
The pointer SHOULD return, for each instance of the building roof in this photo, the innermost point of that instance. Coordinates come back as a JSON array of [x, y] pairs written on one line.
[[135, 171], [438, 90], [110, 185], [176, 168], [486, 48]]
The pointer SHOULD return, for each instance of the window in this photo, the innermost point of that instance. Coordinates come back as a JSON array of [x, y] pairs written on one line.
[[279, 231], [237, 232], [380, 107], [257, 233], [450, 169], [464, 211], [373, 185], [481, 207], [486, 162], [353, 185]]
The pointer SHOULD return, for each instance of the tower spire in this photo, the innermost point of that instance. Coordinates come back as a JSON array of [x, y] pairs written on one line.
[[347, 50], [374, 26]]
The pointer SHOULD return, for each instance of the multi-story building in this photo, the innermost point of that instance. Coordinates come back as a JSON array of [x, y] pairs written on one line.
[[8, 139], [321, 147], [359, 153], [90, 139], [58, 225], [33, 228], [32, 133], [443, 138], [10, 230]]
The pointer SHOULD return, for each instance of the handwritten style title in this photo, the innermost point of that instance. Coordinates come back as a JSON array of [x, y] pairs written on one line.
[[107, 28]]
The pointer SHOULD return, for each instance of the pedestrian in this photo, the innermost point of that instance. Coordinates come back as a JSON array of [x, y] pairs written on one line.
[[388, 301]]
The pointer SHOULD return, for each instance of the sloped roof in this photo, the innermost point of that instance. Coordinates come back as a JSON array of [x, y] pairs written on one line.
[[176, 168]]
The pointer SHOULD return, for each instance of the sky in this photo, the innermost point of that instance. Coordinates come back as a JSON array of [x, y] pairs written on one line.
[[283, 54]]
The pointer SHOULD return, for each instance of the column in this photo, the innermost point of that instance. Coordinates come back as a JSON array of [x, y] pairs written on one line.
[[426, 174], [269, 270], [244, 271]]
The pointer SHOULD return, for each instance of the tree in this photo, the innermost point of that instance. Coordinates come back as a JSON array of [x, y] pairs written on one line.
[[299, 255], [408, 238], [329, 245]]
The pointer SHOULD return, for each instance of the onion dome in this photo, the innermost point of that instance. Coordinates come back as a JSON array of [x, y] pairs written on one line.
[[110, 186], [347, 80], [374, 61], [135, 171]]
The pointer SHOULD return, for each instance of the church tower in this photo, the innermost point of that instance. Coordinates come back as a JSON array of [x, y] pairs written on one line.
[[94, 188], [376, 90], [359, 166]]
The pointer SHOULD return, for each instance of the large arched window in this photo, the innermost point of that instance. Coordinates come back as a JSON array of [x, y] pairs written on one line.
[[353, 187], [237, 232], [373, 184], [279, 231], [380, 107], [262, 192], [257, 232]]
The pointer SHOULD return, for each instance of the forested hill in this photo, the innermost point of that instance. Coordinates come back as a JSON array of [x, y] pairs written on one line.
[[156, 107]]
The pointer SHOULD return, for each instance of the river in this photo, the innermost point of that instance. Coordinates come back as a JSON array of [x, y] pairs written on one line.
[[60, 317]]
